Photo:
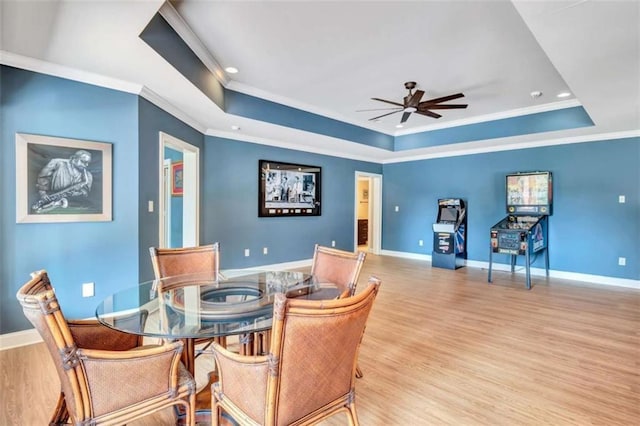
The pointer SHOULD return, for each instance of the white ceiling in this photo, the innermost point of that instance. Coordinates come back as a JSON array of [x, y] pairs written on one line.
[[330, 58]]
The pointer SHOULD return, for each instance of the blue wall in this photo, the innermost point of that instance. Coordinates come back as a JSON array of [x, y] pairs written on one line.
[[588, 230], [102, 252], [230, 204], [152, 121]]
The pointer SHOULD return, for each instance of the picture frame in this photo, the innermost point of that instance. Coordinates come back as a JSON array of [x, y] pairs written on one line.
[[177, 179], [62, 180], [287, 189]]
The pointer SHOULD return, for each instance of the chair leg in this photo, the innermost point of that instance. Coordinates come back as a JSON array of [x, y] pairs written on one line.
[[352, 415], [60, 414]]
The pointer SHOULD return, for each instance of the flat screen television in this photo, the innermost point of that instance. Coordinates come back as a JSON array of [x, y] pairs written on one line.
[[529, 193]]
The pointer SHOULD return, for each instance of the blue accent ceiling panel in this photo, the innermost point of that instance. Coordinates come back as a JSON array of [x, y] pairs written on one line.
[[548, 121], [163, 39], [230, 204], [73, 253], [588, 230], [260, 109]]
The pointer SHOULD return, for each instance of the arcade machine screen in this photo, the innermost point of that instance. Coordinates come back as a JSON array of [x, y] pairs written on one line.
[[448, 214]]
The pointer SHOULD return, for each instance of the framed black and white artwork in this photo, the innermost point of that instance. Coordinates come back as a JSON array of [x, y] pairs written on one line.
[[62, 180], [287, 189]]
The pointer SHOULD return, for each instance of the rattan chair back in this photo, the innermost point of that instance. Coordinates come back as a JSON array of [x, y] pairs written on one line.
[[168, 262], [338, 267], [309, 373], [104, 386], [198, 263]]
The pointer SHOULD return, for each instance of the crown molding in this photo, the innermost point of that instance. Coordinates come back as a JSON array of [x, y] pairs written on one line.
[[48, 68], [165, 105], [173, 18]]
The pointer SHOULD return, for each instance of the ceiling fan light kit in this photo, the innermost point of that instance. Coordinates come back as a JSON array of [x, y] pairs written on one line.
[[412, 104]]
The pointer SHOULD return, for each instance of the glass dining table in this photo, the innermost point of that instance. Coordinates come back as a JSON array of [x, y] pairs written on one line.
[[197, 306]]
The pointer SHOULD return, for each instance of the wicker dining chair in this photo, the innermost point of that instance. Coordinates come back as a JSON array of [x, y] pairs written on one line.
[[338, 266], [201, 260], [309, 372], [105, 386], [168, 262], [341, 268]]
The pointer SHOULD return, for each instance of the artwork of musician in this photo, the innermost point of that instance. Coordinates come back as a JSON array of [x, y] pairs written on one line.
[[63, 179], [66, 180]]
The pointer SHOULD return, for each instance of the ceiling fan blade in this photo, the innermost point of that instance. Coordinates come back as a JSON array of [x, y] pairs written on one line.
[[384, 115], [415, 99], [405, 117], [428, 114], [442, 99], [389, 102], [378, 109], [443, 106]]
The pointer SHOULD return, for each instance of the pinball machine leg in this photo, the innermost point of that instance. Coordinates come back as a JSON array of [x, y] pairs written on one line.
[[527, 261], [513, 263], [490, 263], [546, 261]]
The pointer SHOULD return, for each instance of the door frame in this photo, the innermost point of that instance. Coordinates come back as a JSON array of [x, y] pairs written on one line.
[[375, 211], [191, 191]]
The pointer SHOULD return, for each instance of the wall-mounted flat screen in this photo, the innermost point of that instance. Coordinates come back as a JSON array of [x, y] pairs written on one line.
[[530, 193], [287, 189]]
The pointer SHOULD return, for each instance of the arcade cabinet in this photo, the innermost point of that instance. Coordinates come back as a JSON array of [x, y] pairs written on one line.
[[449, 234], [524, 232]]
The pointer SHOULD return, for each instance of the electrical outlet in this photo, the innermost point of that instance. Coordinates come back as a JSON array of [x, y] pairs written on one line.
[[333, 243], [397, 208], [246, 252], [622, 199], [150, 206], [420, 243], [265, 250], [622, 261], [88, 289]]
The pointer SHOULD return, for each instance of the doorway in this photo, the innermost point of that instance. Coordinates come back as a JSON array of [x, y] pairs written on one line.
[[368, 212], [178, 201]]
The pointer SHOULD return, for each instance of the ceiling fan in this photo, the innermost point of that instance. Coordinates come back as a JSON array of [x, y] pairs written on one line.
[[412, 104]]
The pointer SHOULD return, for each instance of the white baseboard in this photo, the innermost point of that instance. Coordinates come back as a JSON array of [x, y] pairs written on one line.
[[406, 255], [19, 338], [573, 276]]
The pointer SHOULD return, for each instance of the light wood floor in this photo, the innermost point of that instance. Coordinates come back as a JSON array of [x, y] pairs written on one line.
[[445, 348]]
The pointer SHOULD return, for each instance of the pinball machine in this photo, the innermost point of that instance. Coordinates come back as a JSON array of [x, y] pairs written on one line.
[[525, 231]]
